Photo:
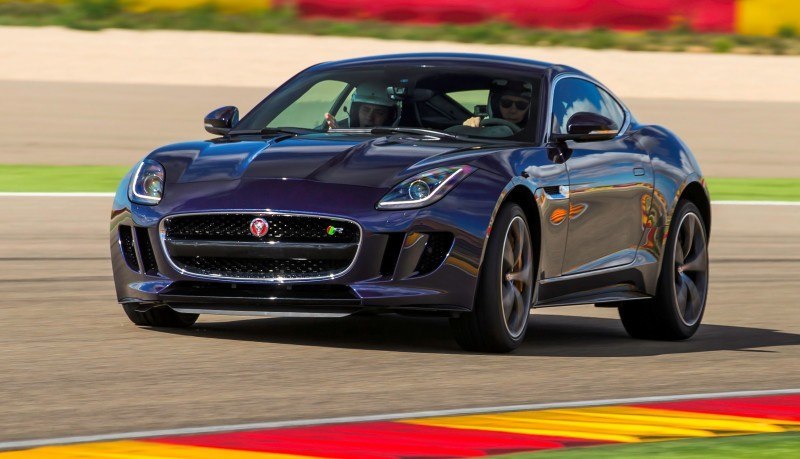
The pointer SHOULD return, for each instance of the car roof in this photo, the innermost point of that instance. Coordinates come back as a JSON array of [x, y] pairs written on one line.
[[500, 62]]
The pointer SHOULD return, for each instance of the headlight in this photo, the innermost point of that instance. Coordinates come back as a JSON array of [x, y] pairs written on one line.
[[147, 184], [424, 189]]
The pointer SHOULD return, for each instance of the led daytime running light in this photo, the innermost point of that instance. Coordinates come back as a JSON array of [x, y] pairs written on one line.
[[148, 173], [440, 181]]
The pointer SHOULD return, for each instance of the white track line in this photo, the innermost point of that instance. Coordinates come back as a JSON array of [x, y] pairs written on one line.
[[111, 195], [25, 444], [56, 195], [756, 203]]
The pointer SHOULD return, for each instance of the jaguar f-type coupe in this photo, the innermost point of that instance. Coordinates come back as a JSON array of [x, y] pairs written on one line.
[[468, 186]]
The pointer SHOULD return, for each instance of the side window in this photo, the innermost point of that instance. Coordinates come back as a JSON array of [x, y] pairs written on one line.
[[615, 111], [469, 99], [573, 95]]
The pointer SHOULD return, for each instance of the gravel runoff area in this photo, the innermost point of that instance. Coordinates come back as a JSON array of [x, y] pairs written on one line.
[[262, 60]]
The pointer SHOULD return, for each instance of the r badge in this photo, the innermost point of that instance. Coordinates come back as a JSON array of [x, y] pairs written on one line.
[[331, 230], [259, 227]]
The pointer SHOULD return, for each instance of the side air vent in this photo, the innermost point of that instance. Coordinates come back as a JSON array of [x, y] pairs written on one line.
[[146, 252], [394, 243], [128, 250], [436, 250]]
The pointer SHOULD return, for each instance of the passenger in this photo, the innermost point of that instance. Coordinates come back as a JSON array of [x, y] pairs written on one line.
[[370, 107]]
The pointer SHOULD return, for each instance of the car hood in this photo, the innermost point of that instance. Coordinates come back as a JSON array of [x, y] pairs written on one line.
[[343, 159]]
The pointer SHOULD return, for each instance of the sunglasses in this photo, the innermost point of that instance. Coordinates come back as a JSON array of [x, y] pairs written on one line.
[[520, 104]]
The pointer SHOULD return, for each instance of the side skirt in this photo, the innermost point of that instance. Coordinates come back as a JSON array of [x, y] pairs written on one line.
[[622, 283]]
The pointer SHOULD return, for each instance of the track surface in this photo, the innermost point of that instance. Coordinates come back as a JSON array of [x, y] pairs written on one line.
[[71, 363]]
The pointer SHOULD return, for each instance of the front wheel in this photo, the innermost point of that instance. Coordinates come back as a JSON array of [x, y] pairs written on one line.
[[159, 317], [677, 309], [499, 318]]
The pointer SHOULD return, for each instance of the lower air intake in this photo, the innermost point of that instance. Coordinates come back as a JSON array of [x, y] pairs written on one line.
[[436, 250]]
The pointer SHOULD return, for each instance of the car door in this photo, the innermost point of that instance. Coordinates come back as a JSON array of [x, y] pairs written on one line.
[[610, 182]]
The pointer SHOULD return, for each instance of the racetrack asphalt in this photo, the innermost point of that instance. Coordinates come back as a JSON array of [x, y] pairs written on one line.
[[72, 364]]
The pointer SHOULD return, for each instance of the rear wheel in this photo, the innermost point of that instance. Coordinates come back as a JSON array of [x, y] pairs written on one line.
[[677, 309], [499, 318], [159, 317]]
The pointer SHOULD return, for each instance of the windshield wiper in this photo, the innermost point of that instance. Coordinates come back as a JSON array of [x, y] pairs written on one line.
[[422, 132], [274, 131]]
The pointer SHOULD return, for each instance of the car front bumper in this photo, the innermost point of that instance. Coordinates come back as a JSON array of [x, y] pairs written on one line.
[[379, 278]]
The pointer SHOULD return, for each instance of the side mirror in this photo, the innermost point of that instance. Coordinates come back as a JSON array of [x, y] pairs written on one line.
[[221, 120], [587, 127]]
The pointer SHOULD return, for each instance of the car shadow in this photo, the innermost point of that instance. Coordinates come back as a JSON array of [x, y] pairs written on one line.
[[548, 335]]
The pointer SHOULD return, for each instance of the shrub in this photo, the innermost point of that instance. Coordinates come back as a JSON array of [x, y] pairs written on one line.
[[787, 31], [97, 9], [722, 45]]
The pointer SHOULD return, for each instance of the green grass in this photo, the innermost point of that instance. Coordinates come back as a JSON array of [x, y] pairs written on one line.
[[751, 189], [764, 446], [27, 178], [102, 14], [22, 178]]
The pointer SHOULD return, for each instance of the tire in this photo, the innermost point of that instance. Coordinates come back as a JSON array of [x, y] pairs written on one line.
[[677, 309], [161, 316], [499, 317]]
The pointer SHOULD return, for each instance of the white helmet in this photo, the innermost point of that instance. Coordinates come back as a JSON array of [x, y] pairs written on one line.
[[371, 92]]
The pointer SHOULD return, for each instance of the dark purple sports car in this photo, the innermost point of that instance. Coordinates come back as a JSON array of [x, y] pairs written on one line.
[[467, 186]]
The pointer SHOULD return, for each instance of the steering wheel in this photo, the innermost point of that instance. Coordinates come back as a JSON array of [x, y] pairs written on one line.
[[486, 122]]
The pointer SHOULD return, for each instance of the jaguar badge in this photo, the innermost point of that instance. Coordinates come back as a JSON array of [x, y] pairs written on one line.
[[259, 227]]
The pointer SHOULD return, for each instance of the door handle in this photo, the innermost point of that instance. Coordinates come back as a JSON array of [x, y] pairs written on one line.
[[638, 171]]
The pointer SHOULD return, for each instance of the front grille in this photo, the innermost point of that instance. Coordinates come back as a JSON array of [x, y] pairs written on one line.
[[260, 268], [221, 245], [236, 227]]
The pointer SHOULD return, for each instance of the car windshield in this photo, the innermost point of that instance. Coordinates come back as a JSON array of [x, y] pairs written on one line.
[[463, 102]]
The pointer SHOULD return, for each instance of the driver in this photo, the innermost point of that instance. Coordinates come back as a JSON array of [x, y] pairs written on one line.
[[509, 99], [370, 107]]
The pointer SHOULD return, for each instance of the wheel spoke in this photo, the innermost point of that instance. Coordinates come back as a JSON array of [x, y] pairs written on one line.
[[518, 242], [508, 299], [523, 275], [696, 263], [694, 299], [679, 256], [683, 291], [519, 309], [508, 257], [688, 239]]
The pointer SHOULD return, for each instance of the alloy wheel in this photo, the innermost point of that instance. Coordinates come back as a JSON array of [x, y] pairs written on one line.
[[691, 269], [515, 277]]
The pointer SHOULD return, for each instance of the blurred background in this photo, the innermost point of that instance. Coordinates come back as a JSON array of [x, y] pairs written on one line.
[[89, 87], [752, 26]]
